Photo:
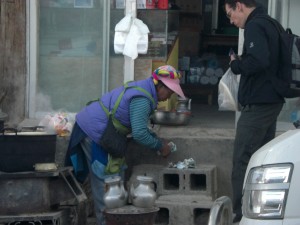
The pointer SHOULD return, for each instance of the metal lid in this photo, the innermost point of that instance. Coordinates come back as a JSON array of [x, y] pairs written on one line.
[[112, 180], [144, 178]]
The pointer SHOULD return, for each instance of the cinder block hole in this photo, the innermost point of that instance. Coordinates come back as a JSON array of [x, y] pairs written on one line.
[[171, 181], [198, 182], [162, 216], [201, 216]]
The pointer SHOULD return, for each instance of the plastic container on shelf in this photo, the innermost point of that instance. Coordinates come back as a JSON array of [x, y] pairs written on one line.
[[150, 4], [163, 4]]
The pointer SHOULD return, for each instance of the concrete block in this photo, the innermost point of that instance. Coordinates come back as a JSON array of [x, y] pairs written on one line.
[[201, 180], [171, 181], [180, 209]]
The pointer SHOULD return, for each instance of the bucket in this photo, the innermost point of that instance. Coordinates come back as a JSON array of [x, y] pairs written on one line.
[[163, 4], [150, 4]]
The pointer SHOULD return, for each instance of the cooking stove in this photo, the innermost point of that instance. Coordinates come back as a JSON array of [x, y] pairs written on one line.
[[47, 197]]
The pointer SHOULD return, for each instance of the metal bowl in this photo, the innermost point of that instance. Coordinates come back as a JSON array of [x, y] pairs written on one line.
[[170, 118]]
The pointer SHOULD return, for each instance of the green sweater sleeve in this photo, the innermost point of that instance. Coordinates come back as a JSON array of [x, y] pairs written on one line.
[[140, 110]]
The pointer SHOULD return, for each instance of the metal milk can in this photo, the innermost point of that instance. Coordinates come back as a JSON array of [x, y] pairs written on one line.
[[116, 195], [184, 105], [143, 194]]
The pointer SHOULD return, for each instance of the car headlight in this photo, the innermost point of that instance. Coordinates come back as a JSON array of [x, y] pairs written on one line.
[[266, 191]]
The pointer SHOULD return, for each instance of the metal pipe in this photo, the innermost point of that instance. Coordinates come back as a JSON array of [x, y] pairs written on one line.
[[221, 212], [105, 43], [130, 8]]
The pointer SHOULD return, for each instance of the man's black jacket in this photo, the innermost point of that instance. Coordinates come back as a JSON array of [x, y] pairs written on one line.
[[259, 61]]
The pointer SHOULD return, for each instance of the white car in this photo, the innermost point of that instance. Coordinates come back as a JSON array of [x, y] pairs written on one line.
[[272, 183]]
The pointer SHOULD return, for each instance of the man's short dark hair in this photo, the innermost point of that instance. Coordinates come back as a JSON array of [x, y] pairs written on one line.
[[248, 3]]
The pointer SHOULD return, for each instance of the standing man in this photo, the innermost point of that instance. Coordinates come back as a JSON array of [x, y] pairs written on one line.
[[260, 103]]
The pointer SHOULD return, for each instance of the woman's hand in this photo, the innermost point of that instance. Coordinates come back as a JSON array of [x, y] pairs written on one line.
[[166, 149]]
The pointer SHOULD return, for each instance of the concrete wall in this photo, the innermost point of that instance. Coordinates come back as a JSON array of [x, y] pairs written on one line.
[[13, 59]]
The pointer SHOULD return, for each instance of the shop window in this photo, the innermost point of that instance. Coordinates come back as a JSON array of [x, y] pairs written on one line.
[[72, 59]]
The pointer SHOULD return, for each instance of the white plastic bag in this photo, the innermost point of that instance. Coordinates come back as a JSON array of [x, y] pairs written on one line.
[[130, 47], [131, 37], [119, 41], [121, 31], [60, 122], [228, 92], [124, 24]]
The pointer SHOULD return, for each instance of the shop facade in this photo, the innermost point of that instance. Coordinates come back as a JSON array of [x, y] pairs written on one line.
[[67, 55]]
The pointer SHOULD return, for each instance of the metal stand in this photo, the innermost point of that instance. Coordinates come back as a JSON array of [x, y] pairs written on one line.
[[48, 197], [53, 218]]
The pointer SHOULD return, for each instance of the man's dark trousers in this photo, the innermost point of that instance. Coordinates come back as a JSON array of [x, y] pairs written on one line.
[[256, 126]]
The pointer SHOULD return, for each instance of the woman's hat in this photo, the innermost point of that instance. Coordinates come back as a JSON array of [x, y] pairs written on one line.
[[170, 77]]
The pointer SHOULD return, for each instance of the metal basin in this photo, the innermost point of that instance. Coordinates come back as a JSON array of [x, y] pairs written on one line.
[[171, 118], [131, 215]]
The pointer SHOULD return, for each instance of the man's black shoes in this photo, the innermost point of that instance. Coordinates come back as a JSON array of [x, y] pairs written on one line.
[[237, 218]]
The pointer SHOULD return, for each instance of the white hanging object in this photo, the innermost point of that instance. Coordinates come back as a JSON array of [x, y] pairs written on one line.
[[131, 37]]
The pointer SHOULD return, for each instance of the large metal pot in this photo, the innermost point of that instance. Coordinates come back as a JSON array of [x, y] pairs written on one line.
[[184, 105], [143, 195], [115, 196], [20, 151]]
